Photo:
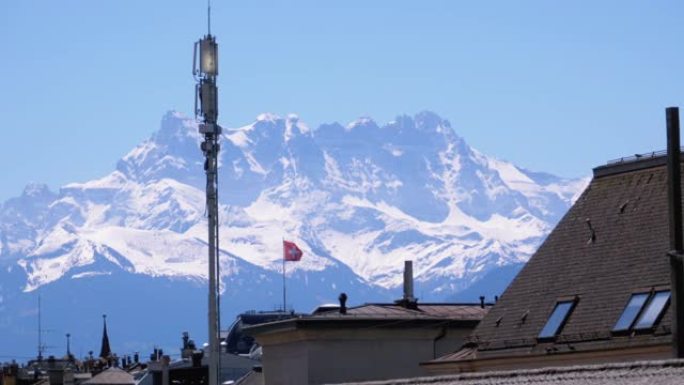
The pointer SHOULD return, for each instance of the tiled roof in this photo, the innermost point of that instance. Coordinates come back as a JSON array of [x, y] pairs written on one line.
[[114, 376], [665, 372], [626, 206]]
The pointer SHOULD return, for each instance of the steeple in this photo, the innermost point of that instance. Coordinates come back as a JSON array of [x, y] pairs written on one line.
[[105, 351], [68, 353]]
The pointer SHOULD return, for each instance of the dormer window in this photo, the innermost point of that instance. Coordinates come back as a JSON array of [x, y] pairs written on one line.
[[557, 320], [643, 311]]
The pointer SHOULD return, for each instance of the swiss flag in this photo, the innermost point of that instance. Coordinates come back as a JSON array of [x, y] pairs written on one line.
[[291, 252]]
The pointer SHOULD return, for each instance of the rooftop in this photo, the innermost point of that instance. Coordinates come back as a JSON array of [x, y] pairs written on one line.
[[113, 376], [382, 313], [610, 246], [665, 372], [455, 311], [632, 163]]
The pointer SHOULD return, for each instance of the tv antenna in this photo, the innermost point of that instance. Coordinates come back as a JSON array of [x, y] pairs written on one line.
[[41, 346], [208, 17]]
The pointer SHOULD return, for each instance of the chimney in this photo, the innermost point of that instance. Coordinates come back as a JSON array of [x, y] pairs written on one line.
[[186, 350], [482, 304], [68, 378], [343, 303], [408, 300], [674, 190], [55, 374], [9, 374], [408, 281], [197, 358], [165, 360]]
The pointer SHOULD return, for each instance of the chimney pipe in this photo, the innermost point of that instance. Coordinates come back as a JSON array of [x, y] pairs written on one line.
[[166, 360], [186, 338], [482, 304], [408, 281], [343, 303], [674, 190], [197, 358]]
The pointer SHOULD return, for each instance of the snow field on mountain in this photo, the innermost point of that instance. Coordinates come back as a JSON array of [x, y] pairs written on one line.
[[362, 196]]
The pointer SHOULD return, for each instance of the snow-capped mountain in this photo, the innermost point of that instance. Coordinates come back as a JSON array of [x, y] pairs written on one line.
[[358, 199]]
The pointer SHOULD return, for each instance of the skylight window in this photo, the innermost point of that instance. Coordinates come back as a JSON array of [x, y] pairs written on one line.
[[557, 319], [643, 311], [654, 310], [632, 310]]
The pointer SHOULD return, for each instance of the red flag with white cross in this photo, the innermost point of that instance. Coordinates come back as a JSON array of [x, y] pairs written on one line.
[[291, 252]]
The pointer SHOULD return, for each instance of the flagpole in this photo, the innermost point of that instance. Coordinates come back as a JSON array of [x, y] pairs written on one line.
[[284, 289]]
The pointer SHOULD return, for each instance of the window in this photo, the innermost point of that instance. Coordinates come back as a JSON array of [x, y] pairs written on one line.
[[557, 319], [643, 311], [634, 306], [654, 310]]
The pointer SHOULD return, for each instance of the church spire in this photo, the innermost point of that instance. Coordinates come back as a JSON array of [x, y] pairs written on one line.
[[105, 351], [68, 354]]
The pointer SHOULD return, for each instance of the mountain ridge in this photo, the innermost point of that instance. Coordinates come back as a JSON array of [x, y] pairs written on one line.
[[358, 199], [282, 166]]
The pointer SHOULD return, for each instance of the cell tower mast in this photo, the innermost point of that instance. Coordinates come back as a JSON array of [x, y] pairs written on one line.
[[207, 94]]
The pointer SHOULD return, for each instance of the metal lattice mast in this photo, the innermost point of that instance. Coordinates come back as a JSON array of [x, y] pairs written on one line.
[[207, 94]]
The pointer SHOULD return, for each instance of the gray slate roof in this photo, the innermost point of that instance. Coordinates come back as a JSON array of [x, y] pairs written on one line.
[[665, 372], [453, 311], [113, 376], [380, 314], [626, 205]]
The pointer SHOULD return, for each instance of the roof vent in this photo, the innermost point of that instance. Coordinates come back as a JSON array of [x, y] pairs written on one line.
[[623, 207], [524, 317], [343, 303], [592, 232]]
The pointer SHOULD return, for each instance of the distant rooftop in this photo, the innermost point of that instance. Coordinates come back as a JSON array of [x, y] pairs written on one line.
[[112, 376], [466, 313]]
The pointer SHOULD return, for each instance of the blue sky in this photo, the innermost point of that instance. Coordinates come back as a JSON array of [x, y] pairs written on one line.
[[551, 86]]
